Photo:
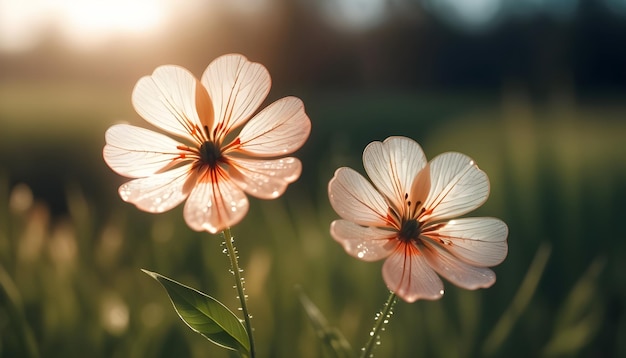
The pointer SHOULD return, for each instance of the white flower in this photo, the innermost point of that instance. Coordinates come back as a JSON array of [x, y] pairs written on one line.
[[211, 167], [406, 217]]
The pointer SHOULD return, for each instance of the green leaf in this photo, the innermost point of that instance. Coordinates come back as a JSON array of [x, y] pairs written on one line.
[[206, 315], [334, 342]]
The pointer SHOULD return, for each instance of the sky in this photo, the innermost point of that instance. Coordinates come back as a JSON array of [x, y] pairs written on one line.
[[24, 24]]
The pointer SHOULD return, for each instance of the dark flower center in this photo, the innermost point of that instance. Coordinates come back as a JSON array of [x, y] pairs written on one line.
[[210, 154], [409, 230]]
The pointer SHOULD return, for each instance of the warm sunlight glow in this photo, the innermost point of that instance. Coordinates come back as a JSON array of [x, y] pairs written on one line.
[[86, 23], [21, 23]]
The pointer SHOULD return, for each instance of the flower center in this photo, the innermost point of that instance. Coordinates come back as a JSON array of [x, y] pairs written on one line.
[[210, 154], [409, 230]]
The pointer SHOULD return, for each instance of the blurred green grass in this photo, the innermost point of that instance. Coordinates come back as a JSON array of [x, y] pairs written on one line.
[[73, 279]]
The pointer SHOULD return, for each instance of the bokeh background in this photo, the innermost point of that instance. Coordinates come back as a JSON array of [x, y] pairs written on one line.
[[533, 90]]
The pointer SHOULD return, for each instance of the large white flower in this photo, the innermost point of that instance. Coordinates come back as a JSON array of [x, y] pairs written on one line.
[[211, 167], [407, 218]]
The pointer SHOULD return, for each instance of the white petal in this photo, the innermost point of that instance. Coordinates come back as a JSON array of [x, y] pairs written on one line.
[[365, 243], [355, 199], [215, 203], [419, 191], [137, 152], [167, 99], [392, 165], [458, 186], [237, 88], [407, 273], [477, 241], [157, 193], [456, 271], [279, 129], [265, 179]]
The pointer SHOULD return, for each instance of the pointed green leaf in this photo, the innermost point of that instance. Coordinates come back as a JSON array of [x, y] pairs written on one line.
[[332, 339], [206, 315]]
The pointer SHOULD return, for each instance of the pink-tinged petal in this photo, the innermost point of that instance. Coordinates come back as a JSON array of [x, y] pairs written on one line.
[[409, 276], [265, 179], [365, 243], [281, 128], [215, 203], [455, 270], [419, 191], [355, 199], [392, 165], [458, 186], [237, 88], [137, 152], [477, 241], [171, 99], [157, 193]]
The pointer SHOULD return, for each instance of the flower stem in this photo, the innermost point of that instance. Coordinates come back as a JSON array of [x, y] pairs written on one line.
[[382, 318], [229, 241]]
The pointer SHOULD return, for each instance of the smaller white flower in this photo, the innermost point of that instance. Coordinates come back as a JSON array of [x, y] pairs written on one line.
[[406, 217]]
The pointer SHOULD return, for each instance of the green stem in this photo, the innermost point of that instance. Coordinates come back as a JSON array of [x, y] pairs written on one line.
[[381, 320], [232, 255]]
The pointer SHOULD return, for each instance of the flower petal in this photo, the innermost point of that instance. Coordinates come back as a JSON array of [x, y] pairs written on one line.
[[355, 199], [407, 273], [281, 128], [419, 191], [265, 179], [215, 203], [137, 152], [458, 186], [170, 99], [476, 241], [455, 270], [365, 243], [157, 193], [237, 88], [392, 165]]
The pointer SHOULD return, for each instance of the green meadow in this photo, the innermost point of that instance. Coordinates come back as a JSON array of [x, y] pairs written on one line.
[[71, 251]]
